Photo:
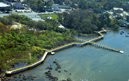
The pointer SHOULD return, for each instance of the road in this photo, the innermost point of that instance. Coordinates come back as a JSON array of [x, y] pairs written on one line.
[[32, 15]]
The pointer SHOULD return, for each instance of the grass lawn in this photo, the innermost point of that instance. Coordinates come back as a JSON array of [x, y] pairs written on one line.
[[54, 16]]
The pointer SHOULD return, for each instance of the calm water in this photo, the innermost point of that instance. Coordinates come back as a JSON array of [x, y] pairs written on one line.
[[90, 63]]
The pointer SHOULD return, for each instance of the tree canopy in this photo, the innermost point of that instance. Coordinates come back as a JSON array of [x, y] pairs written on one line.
[[86, 22], [18, 43]]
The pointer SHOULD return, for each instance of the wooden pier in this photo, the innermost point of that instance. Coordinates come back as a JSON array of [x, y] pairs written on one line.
[[105, 47], [81, 43]]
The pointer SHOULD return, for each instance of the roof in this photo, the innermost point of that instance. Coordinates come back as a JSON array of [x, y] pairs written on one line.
[[109, 12], [61, 26], [48, 0], [115, 8], [21, 0], [18, 5], [64, 7], [2, 4], [58, 7]]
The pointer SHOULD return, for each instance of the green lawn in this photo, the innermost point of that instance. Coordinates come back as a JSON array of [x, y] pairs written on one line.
[[54, 16]]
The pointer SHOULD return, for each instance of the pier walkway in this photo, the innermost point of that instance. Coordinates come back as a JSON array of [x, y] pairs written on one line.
[[105, 47], [52, 51]]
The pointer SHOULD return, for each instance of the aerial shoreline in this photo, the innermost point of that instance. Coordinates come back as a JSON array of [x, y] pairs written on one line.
[[52, 51]]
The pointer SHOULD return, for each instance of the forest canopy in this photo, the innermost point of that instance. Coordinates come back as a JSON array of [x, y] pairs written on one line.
[[86, 22]]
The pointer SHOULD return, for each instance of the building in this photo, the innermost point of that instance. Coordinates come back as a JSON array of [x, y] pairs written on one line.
[[2, 4], [15, 0], [18, 5], [118, 10], [62, 8], [48, 0], [4, 7], [111, 13], [115, 8]]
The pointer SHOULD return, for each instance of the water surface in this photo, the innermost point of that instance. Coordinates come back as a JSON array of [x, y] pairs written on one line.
[[90, 63]]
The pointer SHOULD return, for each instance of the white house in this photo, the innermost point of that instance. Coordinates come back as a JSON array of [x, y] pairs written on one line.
[[2, 4], [115, 8]]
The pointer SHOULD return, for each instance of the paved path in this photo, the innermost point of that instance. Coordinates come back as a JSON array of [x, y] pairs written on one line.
[[2, 15], [34, 16]]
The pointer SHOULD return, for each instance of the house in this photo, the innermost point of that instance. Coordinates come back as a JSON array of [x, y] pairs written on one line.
[[118, 10], [15, 0], [21, 0], [18, 5], [48, 0], [62, 8], [55, 7], [126, 13], [61, 26], [110, 12], [115, 8], [49, 10], [4, 7], [2, 4]]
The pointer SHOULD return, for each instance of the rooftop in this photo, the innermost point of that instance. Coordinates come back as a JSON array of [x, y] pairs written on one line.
[[2, 4], [61, 6], [115, 8], [18, 5]]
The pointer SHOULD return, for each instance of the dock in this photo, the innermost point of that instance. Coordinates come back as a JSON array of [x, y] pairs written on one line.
[[81, 43], [105, 47]]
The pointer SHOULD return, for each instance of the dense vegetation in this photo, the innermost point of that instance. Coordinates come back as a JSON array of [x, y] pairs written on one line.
[[36, 35], [100, 5], [6, 21], [87, 22], [18, 43]]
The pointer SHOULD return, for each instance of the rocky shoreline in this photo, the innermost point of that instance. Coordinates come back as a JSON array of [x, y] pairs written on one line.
[[57, 69], [20, 77]]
